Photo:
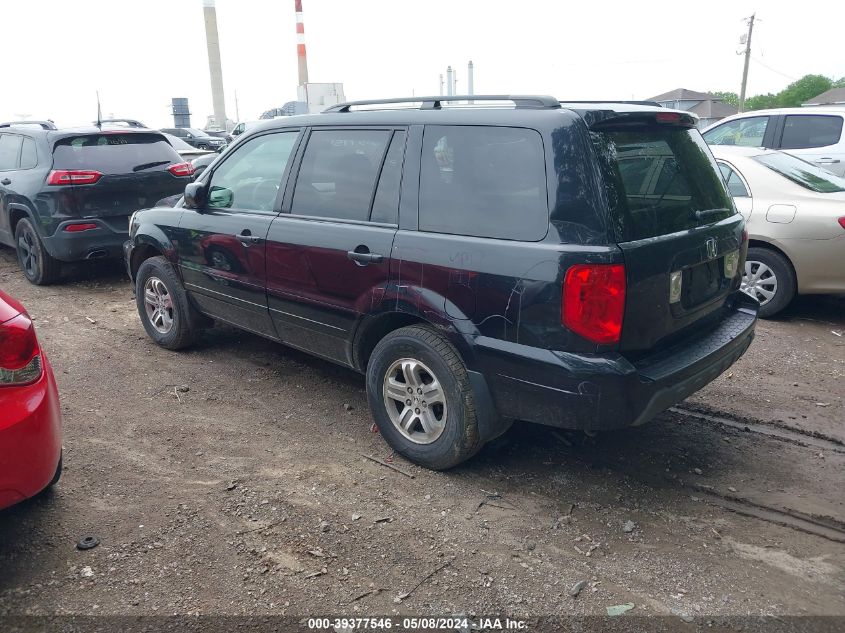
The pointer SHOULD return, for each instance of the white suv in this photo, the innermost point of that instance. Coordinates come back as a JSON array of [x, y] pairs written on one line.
[[813, 134]]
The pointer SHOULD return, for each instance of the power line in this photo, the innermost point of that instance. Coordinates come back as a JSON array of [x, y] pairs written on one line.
[[758, 61]]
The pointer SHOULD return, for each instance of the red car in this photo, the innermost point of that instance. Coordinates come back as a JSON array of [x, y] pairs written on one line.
[[30, 418]]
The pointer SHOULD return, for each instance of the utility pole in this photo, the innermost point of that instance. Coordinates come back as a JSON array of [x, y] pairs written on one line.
[[747, 59]]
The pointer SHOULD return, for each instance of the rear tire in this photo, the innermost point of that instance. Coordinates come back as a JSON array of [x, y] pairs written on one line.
[[768, 271], [38, 266], [166, 313], [441, 418]]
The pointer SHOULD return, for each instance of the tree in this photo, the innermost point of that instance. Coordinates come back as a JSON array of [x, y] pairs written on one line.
[[839, 83], [731, 98], [803, 90], [761, 102]]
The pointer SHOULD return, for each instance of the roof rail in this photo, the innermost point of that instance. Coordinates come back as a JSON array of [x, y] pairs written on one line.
[[435, 103], [129, 122], [630, 102], [45, 125]]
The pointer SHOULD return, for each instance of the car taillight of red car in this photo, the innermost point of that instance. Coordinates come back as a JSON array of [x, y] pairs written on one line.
[[20, 355]]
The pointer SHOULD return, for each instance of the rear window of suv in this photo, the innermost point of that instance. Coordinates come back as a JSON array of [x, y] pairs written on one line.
[[484, 181], [114, 153], [660, 180]]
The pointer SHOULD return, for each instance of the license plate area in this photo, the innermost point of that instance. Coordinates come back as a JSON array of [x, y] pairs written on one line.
[[701, 283]]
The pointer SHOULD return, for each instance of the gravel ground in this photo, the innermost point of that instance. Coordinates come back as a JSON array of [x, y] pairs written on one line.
[[233, 479]]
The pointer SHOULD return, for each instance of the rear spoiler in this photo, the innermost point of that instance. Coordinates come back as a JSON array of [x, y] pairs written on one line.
[[597, 119]]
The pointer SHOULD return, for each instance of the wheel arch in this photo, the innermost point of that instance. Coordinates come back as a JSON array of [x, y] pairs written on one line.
[[148, 242], [758, 243]]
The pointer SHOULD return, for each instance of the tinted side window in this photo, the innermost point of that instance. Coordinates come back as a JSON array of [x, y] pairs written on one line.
[[484, 182], [803, 130], [386, 203], [29, 157], [338, 173], [748, 132], [10, 147], [735, 185], [251, 176]]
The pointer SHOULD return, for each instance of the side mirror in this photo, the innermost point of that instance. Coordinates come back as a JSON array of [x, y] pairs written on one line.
[[196, 195], [221, 198]]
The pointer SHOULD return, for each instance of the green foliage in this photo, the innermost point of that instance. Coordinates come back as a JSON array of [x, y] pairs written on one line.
[[792, 96], [761, 102], [731, 98], [803, 90]]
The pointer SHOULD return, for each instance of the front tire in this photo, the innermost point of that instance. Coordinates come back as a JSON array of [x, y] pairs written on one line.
[[421, 398], [38, 266], [769, 278], [166, 313]]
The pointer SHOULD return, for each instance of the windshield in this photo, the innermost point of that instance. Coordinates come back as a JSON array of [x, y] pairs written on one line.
[[660, 180], [802, 173], [195, 131]]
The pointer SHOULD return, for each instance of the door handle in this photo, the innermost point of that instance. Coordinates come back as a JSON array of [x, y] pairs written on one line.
[[5, 181], [362, 256], [828, 161], [247, 238]]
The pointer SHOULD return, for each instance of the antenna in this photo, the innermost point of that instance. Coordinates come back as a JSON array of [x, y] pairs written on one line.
[[99, 111]]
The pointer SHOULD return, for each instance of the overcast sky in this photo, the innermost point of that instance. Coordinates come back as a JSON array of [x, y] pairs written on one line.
[[55, 54]]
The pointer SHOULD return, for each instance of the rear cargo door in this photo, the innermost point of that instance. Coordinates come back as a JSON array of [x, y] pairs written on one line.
[[133, 167], [674, 222]]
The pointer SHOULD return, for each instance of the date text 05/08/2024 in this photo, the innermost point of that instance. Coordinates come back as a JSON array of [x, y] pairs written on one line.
[[417, 624]]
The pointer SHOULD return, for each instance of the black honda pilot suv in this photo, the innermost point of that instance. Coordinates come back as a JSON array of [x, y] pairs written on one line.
[[572, 264], [66, 195]]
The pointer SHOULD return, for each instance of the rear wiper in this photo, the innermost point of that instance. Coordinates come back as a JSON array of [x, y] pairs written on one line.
[[148, 165], [708, 212]]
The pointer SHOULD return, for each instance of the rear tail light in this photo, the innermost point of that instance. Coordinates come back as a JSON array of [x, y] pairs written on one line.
[[20, 362], [745, 234], [842, 222], [668, 117], [73, 177], [594, 301], [182, 169], [76, 228]]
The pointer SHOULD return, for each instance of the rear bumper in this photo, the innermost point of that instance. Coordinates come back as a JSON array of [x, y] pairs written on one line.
[[607, 391], [106, 241], [30, 437]]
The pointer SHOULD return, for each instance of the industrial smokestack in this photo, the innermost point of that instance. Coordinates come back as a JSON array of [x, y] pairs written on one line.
[[470, 89], [441, 84], [214, 68], [300, 45], [449, 83]]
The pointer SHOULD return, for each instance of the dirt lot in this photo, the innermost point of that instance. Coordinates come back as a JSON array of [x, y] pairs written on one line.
[[232, 479]]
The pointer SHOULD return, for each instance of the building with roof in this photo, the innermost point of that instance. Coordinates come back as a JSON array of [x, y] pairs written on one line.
[[832, 97], [709, 107]]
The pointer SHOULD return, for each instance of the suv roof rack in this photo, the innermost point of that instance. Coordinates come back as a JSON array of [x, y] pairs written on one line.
[[435, 103], [45, 125], [629, 102]]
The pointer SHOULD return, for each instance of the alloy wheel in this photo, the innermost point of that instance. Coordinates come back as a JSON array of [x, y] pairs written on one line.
[[759, 281], [415, 401], [158, 305], [28, 253]]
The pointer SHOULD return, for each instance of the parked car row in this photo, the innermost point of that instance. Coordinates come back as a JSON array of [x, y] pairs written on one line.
[[784, 170], [573, 264]]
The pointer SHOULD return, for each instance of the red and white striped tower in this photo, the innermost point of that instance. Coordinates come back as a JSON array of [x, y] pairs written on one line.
[[300, 45]]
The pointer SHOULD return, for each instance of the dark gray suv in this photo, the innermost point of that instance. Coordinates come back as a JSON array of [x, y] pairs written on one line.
[[572, 264]]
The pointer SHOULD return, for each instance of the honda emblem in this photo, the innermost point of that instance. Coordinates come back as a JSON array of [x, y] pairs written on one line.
[[711, 248]]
